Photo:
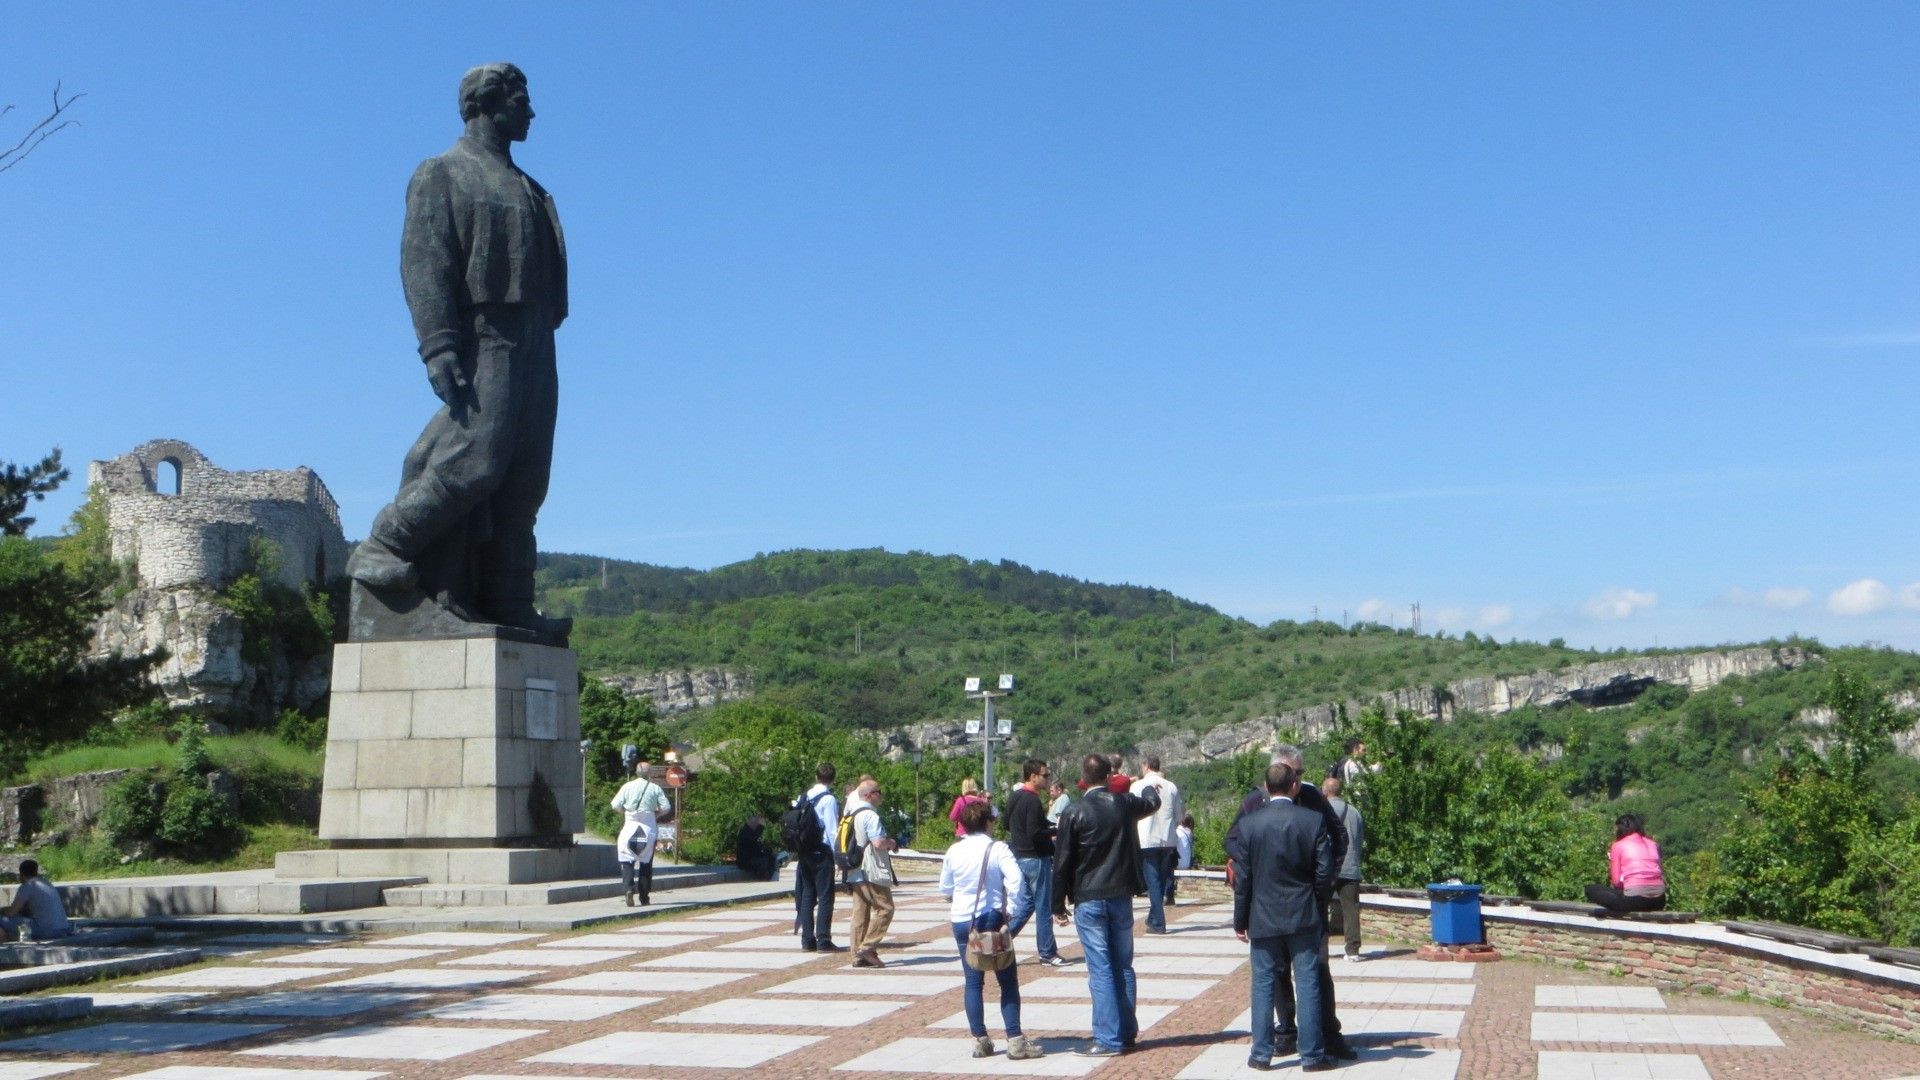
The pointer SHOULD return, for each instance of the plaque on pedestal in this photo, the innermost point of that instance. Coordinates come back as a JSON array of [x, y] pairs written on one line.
[[468, 742]]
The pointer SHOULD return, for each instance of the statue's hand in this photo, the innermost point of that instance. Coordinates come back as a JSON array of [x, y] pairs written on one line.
[[449, 381]]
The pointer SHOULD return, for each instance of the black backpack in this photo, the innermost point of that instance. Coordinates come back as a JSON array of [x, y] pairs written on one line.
[[800, 827]]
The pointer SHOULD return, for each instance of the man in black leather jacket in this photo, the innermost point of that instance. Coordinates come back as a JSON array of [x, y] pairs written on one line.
[[1096, 865]]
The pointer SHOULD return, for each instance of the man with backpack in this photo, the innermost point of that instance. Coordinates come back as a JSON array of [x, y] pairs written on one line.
[[805, 828], [864, 850]]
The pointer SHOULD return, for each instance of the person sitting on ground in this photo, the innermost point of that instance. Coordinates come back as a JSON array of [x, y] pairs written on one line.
[[750, 852], [36, 904], [1633, 871]]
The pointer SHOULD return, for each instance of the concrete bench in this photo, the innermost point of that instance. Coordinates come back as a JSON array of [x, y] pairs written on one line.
[[1903, 957], [1800, 935], [1594, 911], [85, 943]]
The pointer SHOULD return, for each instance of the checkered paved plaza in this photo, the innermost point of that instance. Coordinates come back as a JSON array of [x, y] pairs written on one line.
[[728, 993]]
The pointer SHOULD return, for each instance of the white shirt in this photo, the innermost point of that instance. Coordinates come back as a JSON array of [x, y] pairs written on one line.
[[1183, 843], [44, 911], [960, 876], [1156, 829], [827, 810]]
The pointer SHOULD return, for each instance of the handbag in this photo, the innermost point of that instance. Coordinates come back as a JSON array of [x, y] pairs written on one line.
[[989, 950]]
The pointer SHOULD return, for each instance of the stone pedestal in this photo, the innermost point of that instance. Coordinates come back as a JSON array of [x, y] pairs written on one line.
[[471, 742]]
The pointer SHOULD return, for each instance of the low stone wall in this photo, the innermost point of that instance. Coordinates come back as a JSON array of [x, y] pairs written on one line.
[[1847, 988]]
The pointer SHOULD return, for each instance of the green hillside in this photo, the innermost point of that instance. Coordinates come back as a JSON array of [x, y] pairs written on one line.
[[880, 640]]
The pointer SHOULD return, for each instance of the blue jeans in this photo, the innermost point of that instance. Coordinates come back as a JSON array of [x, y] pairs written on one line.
[[1272, 956], [1009, 978], [1156, 863], [1036, 893], [1106, 936]]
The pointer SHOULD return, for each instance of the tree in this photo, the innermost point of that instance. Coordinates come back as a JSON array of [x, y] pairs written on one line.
[[611, 719], [19, 486], [53, 122]]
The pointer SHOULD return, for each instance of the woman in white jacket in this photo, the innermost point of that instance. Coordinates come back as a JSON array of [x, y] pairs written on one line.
[[641, 800], [978, 875]]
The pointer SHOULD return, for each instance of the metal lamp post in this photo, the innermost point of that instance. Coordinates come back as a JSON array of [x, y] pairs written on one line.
[[989, 727], [919, 755]]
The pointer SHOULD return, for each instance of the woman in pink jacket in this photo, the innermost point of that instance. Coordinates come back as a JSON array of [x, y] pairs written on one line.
[[1634, 880]]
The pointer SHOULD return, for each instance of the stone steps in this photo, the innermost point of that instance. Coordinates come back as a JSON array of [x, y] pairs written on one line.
[[240, 892], [665, 879]]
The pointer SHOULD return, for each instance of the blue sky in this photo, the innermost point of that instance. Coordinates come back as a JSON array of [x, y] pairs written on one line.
[[1585, 320]]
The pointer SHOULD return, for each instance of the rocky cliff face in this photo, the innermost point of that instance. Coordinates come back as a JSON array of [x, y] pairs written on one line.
[[1610, 682], [204, 668], [678, 691], [1905, 742]]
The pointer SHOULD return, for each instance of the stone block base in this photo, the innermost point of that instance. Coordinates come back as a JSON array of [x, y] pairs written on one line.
[[444, 866], [463, 742]]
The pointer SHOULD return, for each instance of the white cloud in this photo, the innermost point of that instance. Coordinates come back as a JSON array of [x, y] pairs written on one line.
[[1786, 597], [1615, 604], [1863, 597], [1909, 596], [1494, 616], [1372, 610]]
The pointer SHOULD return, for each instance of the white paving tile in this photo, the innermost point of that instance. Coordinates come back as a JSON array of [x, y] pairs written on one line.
[[304, 1003], [129, 1037], [753, 961], [1154, 989], [352, 954], [1188, 945], [1571, 1065], [33, 1070], [679, 926], [280, 939], [1387, 1023], [239, 977], [1597, 997], [134, 999], [1059, 1016], [836, 1013], [1186, 965], [743, 918], [454, 939], [231, 1073], [540, 1007], [431, 979], [628, 941], [1404, 970], [541, 958], [955, 1057], [865, 984], [400, 1042], [227, 1072], [1652, 1029], [1229, 1062], [1380, 992], [645, 982], [687, 1049]]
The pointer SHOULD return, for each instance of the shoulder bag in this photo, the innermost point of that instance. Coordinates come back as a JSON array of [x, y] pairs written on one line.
[[989, 950]]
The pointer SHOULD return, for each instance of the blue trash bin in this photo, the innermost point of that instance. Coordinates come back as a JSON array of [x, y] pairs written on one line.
[[1455, 911]]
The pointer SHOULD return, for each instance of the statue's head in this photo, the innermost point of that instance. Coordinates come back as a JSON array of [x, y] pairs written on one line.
[[498, 91]]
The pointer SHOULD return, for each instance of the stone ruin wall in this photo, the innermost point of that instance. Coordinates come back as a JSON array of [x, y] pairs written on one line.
[[185, 547], [201, 536]]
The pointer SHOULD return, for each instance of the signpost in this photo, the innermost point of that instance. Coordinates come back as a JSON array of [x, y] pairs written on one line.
[[989, 727]]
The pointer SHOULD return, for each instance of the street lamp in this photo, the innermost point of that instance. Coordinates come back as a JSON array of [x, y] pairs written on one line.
[[919, 755], [988, 727]]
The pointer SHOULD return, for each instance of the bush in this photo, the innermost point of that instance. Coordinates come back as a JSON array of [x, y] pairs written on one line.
[[298, 729], [132, 810], [199, 823], [192, 761]]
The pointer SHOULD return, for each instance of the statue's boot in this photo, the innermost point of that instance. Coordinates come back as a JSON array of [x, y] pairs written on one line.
[[506, 587], [422, 511]]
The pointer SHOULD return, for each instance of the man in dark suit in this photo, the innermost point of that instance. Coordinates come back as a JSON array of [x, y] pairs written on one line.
[[1284, 856], [1307, 797]]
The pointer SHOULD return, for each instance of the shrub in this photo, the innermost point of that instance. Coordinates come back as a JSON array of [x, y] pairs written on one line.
[[298, 729], [198, 822], [132, 809], [192, 761]]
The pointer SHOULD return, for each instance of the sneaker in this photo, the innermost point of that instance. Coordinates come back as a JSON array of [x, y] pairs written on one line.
[[1156, 929], [982, 1046], [1095, 1050], [1323, 1065], [1259, 1064], [1342, 1049], [1353, 958], [807, 946], [1021, 1048], [828, 946], [1056, 960]]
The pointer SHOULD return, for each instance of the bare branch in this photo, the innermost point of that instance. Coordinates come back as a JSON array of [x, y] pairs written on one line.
[[40, 132]]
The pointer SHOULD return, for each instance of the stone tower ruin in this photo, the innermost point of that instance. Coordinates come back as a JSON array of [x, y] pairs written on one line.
[[188, 529]]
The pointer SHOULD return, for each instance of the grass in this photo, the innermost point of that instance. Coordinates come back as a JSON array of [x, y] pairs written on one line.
[[94, 857], [232, 752]]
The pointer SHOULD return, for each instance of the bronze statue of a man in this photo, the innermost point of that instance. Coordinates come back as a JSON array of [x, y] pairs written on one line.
[[484, 267]]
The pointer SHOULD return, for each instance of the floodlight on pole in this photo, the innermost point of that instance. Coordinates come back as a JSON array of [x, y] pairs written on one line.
[[989, 727]]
